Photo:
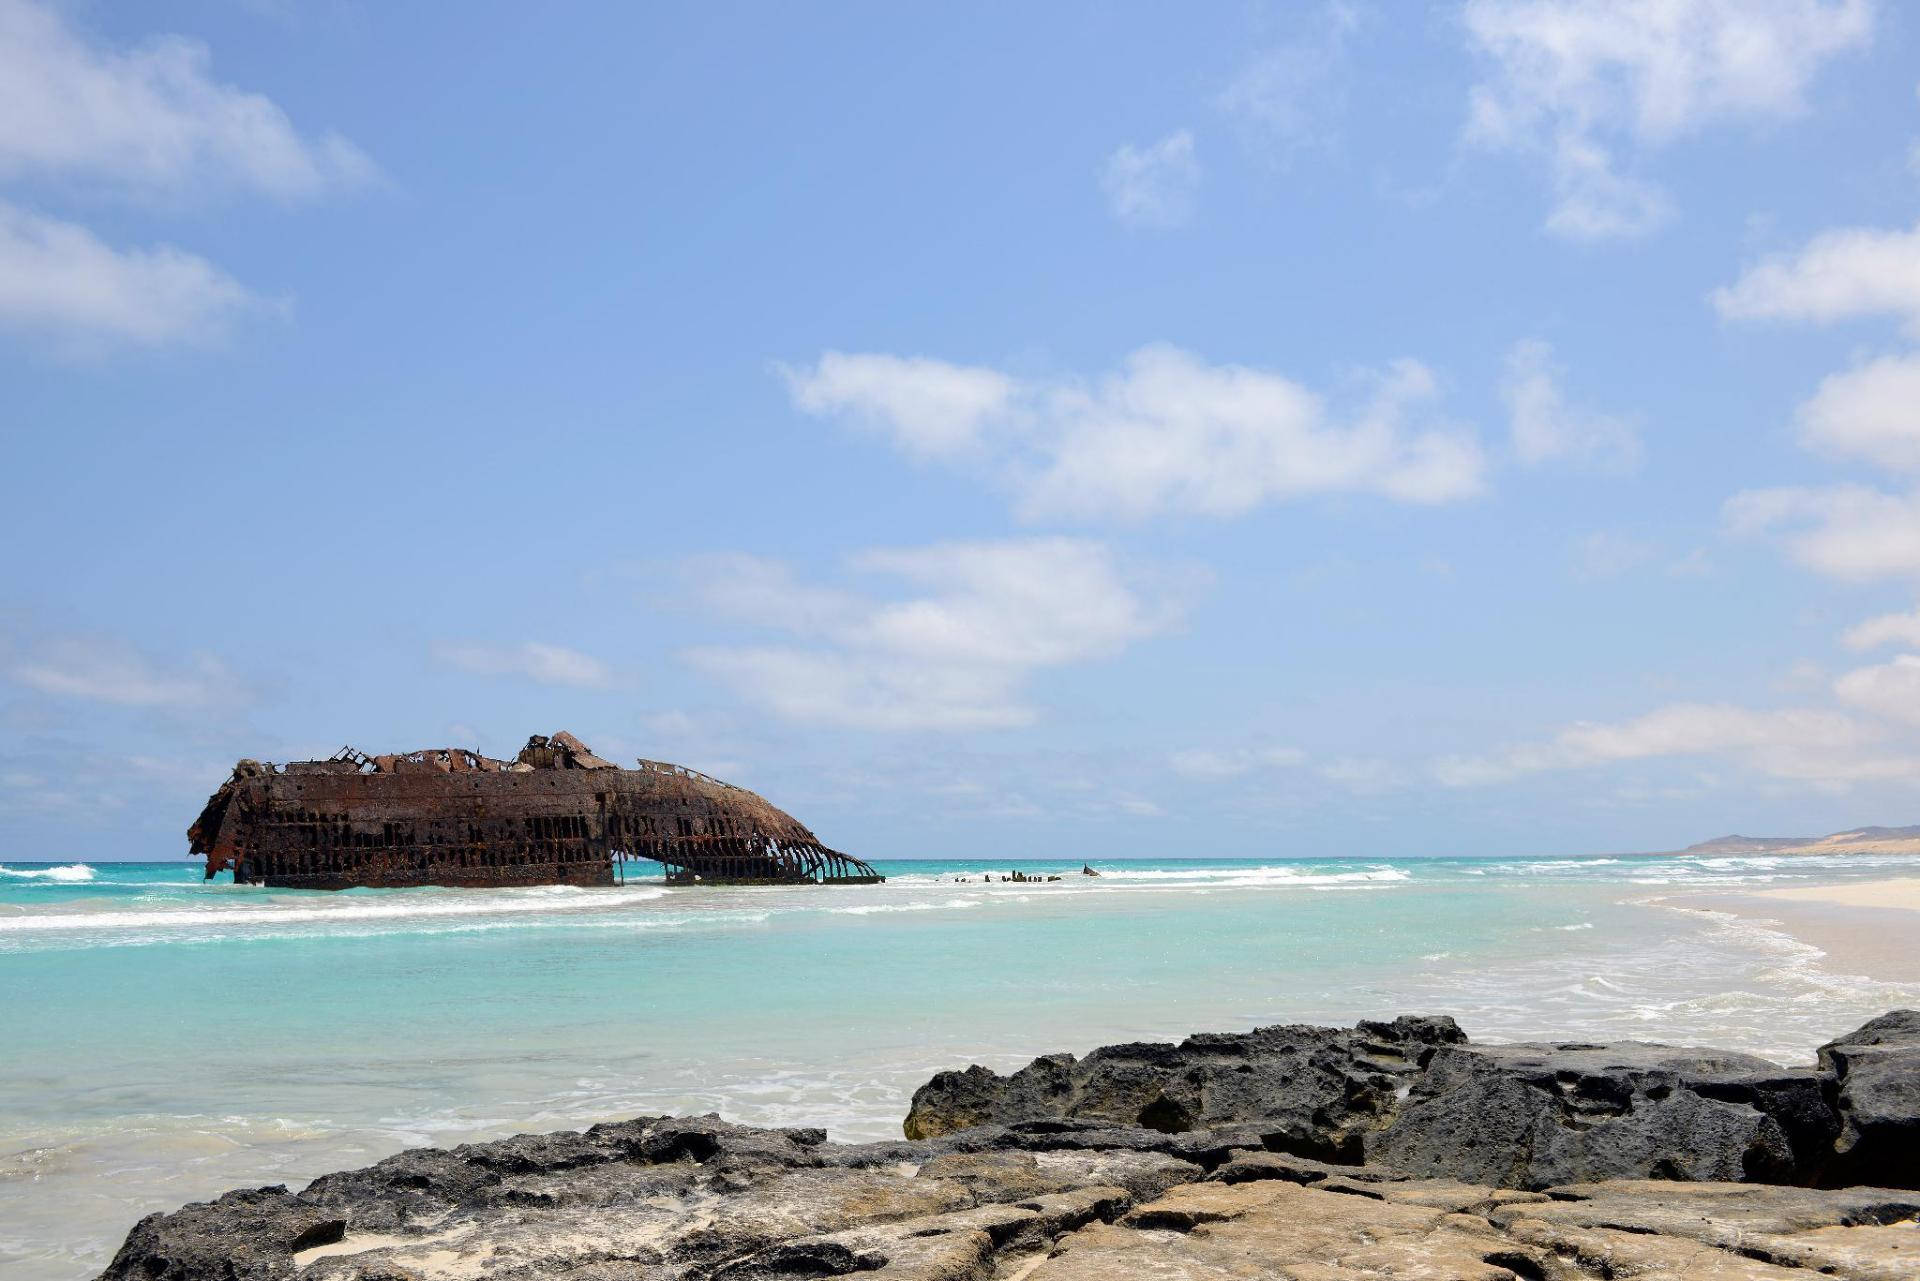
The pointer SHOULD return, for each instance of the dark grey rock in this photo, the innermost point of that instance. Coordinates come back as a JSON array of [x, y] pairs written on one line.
[[1312, 1090], [955, 1100], [1087, 1161], [1529, 1116], [1251, 1167], [802, 1259], [625, 1160], [1877, 1071], [246, 1235]]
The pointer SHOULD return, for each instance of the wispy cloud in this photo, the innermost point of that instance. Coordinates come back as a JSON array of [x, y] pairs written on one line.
[[1840, 274], [148, 118], [542, 663], [1867, 412], [1609, 554], [1890, 689], [60, 280], [1216, 763], [1289, 96], [1584, 84], [141, 123], [1545, 428], [1167, 432], [1844, 531], [1887, 629], [102, 670], [927, 407], [1870, 412], [93, 787], [1814, 745], [1153, 186], [955, 651], [1363, 775]]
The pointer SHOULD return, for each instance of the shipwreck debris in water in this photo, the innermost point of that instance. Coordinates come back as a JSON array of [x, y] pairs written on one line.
[[554, 815]]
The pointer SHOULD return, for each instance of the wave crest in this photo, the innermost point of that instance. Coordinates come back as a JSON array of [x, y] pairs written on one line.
[[68, 874]]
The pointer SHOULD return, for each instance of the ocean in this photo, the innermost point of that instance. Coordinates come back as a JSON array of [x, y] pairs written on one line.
[[162, 1040]]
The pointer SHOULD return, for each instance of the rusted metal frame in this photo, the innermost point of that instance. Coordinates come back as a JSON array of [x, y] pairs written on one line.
[[450, 837]]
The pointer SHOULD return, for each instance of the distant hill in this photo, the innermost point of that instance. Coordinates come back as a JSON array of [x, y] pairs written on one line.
[[1858, 840]]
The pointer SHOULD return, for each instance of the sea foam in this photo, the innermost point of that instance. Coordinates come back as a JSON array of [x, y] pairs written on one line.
[[485, 903], [71, 873]]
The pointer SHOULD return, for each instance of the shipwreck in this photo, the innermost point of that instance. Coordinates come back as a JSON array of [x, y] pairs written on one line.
[[554, 815]]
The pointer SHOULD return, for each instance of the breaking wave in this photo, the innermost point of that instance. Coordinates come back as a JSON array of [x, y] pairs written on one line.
[[510, 903], [868, 909], [69, 874], [1113, 878]]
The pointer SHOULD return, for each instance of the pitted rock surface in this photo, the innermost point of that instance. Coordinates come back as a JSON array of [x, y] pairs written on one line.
[[1317, 1088], [1534, 1115], [1877, 1068], [1492, 1163], [1415, 1096]]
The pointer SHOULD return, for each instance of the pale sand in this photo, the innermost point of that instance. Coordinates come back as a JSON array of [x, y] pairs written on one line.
[[1902, 893], [1865, 927]]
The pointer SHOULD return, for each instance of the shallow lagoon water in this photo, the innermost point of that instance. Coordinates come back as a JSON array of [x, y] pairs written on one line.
[[167, 1039]]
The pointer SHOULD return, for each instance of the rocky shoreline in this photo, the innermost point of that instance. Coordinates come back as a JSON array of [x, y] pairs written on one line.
[[1388, 1150]]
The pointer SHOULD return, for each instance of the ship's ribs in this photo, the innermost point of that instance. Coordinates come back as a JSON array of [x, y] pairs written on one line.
[[555, 815]]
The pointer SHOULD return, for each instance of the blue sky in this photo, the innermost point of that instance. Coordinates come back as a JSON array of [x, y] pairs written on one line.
[[1017, 431]]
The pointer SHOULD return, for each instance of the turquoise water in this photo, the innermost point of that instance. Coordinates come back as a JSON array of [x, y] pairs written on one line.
[[166, 1039]]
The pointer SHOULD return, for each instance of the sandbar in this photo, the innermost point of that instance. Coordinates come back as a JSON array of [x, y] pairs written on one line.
[[1865, 927]]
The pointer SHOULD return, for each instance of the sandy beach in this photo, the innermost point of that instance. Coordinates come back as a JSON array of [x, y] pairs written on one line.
[[1864, 927]]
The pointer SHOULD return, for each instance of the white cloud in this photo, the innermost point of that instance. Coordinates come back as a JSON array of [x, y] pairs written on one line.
[[1362, 775], [1545, 428], [1887, 629], [147, 118], [141, 122], [1871, 411], [1477, 771], [59, 279], [1695, 564], [929, 407], [1033, 603], [1168, 432], [1845, 531], [1685, 729], [1807, 744], [672, 723], [1867, 412], [1840, 274], [88, 786], [1606, 554], [884, 692], [106, 671], [953, 652], [535, 661], [1592, 201], [1288, 96], [1213, 764], [1153, 186], [1579, 82], [1889, 689]]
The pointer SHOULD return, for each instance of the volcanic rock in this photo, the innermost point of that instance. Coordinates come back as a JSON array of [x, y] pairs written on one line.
[[1313, 1090], [1486, 1163], [1877, 1069], [1534, 1115]]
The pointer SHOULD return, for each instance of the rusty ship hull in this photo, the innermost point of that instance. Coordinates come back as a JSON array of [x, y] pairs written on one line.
[[557, 815]]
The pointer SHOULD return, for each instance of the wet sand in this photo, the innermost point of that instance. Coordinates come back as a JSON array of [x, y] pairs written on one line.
[[1864, 927]]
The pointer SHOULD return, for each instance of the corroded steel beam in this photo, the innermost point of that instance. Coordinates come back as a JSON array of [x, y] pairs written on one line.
[[555, 815]]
